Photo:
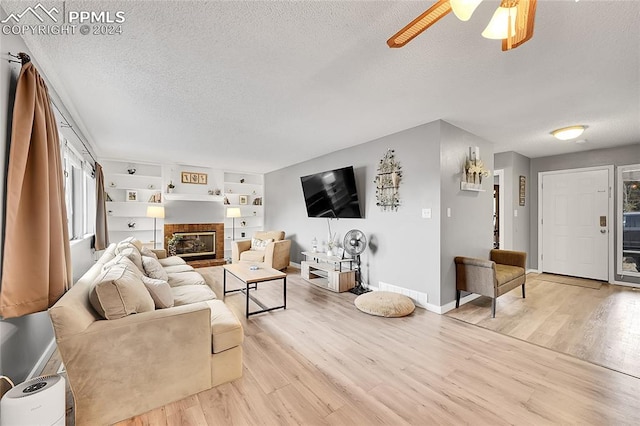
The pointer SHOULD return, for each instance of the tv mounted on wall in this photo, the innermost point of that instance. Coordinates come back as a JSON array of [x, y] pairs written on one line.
[[331, 194]]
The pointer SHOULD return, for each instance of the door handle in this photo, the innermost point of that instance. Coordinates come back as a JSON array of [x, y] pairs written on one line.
[[603, 231]]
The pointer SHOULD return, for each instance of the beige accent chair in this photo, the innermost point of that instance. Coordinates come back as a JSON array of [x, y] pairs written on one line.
[[492, 278], [276, 255]]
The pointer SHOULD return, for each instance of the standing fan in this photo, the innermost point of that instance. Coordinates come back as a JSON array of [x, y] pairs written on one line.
[[355, 243]]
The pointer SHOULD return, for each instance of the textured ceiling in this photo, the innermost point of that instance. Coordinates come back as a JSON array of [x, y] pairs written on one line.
[[257, 86]]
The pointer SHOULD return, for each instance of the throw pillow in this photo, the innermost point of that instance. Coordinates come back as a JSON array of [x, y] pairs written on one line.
[[123, 260], [134, 241], [148, 252], [258, 244], [153, 269], [134, 255], [118, 292], [160, 292]]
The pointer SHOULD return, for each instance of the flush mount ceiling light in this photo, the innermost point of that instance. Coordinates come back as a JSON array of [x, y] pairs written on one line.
[[567, 133], [512, 22]]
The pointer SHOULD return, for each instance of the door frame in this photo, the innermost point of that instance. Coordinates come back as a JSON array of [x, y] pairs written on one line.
[[610, 209], [500, 174]]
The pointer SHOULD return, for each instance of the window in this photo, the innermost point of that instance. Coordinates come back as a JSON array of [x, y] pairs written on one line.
[[80, 192], [629, 228]]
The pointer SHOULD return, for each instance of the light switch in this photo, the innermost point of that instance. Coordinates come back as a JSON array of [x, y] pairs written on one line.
[[426, 213], [515, 213], [448, 211]]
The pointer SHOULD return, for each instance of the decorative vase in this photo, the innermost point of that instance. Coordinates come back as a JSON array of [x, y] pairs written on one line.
[[172, 249], [329, 252]]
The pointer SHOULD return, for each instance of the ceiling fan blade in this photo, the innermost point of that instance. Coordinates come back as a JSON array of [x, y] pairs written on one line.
[[421, 23], [525, 18]]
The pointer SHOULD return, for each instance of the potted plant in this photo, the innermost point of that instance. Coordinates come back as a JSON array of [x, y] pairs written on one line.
[[171, 243], [170, 187]]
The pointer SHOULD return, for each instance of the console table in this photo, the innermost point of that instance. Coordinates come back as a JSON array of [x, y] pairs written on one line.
[[329, 272]]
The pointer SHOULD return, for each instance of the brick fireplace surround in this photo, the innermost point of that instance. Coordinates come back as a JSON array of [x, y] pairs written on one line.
[[218, 228]]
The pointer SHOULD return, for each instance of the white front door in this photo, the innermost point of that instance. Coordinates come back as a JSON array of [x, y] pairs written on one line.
[[575, 224]]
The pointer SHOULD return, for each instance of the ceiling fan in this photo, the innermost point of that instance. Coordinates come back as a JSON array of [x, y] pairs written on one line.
[[512, 22]]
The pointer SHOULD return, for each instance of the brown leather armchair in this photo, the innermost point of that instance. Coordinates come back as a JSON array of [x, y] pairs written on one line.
[[492, 278], [276, 255]]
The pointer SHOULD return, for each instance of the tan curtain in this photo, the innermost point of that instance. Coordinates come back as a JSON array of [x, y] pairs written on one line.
[[102, 233], [36, 257]]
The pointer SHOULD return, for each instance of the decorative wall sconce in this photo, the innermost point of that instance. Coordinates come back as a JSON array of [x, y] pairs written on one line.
[[473, 171], [388, 181]]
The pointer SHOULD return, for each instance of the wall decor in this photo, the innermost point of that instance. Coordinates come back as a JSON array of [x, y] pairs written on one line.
[[522, 197], [192, 177], [131, 195], [388, 181], [473, 171], [243, 199]]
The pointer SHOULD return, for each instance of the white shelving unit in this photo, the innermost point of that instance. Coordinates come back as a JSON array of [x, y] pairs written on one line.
[[122, 213], [239, 186]]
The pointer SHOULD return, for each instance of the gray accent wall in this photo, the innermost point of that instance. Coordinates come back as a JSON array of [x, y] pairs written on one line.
[[618, 156], [404, 250], [516, 232], [23, 340]]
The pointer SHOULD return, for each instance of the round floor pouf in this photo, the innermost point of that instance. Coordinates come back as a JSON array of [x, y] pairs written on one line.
[[385, 304]]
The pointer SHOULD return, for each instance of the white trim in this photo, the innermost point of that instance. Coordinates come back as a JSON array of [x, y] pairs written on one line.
[[534, 271], [419, 298], [610, 255], [42, 361], [452, 305], [295, 265], [500, 174], [625, 283]]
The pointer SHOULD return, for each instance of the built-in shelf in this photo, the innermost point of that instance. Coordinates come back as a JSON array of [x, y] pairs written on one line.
[[132, 203], [193, 197], [475, 187]]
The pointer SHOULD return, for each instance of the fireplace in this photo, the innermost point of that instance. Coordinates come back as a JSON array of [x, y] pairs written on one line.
[[192, 244], [201, 244]]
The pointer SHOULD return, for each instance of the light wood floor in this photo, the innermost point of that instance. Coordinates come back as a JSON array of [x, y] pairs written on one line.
[[598, 325], [323, 362]]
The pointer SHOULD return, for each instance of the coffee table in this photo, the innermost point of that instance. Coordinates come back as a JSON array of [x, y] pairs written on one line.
[[242, 272]]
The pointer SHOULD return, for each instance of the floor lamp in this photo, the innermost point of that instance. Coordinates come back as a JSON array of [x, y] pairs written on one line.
[[233, 212], [156, 212]]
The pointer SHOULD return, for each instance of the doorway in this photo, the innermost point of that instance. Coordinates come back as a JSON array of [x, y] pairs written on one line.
[[498, 210], [575, 208]]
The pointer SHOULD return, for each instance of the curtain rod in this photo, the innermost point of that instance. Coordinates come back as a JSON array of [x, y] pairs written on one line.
[[25, 59]]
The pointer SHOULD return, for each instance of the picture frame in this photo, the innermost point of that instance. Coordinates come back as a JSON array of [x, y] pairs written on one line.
[[243, 199], [522, 192], [194, 177], [131, 195]]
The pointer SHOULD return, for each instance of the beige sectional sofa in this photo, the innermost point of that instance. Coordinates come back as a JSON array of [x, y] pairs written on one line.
[[131, 343]]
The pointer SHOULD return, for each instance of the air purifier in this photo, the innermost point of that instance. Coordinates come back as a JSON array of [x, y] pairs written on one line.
[[36, 402]]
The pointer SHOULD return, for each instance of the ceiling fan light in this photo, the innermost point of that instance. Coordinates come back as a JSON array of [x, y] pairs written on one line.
[[498, 28], [463, 9], [566, 133]]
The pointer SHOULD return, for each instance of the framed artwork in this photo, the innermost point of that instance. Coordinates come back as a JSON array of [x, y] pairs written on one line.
[[243, 199], [193, 177], [522, 193], [131, 195]]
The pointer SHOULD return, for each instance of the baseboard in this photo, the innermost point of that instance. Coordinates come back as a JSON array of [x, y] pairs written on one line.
[[452, 305], [533, 271], [420, 299], [295, 265], [42, 361]]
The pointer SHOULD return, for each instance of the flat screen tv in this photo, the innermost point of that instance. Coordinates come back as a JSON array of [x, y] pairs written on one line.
[[331, 194]]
